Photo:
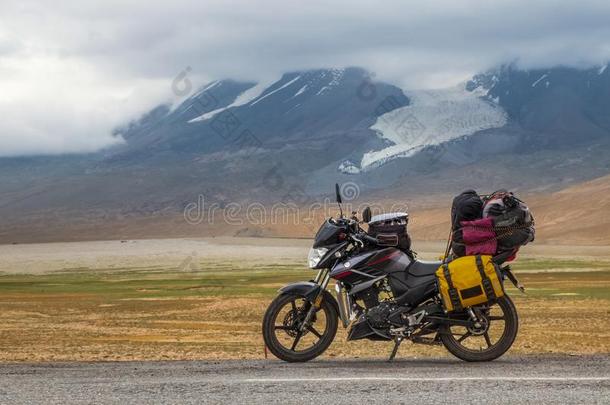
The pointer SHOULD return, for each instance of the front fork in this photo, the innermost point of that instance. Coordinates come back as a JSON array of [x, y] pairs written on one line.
[[322, 274], [322, 279], [344, 302]]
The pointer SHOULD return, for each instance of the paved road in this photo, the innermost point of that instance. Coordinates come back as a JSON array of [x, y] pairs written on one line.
[[512, 380]]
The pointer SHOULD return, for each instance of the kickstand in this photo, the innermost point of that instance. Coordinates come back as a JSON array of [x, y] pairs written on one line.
[[397, 342]]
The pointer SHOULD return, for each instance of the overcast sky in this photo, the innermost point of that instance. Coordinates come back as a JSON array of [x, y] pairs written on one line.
[[71, 71]]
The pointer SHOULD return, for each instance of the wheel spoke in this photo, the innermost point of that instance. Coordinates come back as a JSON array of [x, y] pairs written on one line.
[[282, 327], [487, 339], [314, 331], [496, 318], [464, 336], [294, 305], [296, 341]]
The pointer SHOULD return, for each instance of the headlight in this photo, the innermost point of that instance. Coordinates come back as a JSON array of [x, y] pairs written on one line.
[[314, 257]]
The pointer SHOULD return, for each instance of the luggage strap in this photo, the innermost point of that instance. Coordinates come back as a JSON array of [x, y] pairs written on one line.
[[453, 293], [487, 287]]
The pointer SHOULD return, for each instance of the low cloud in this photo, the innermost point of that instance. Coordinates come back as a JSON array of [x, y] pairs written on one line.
[[71, 72]]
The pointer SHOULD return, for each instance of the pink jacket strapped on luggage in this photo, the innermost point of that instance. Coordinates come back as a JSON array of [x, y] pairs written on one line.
[[479, 237]]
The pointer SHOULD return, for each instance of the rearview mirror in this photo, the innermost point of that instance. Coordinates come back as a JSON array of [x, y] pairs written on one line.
[[338, 193], [366, 215]]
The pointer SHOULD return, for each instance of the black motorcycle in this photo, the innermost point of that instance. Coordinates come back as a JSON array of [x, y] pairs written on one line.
[[383, 293]]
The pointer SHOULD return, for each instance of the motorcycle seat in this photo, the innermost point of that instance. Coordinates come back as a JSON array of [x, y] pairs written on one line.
[[420, 281], [420, 268]]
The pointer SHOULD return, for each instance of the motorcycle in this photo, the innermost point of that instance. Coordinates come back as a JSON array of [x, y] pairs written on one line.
[[383, 293]]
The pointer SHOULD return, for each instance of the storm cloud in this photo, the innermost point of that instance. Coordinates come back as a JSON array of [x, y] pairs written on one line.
[[72, 71]]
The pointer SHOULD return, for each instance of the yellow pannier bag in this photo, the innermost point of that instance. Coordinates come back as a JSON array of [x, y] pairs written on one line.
[[468, 281]]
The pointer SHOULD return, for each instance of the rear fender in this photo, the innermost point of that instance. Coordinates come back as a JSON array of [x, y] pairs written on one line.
[[309, 290]]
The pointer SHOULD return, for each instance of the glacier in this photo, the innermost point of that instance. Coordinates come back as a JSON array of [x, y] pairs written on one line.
[[432, 118]]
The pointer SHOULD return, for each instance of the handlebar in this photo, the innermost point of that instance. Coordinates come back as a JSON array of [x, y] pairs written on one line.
[[362, 236], [370, 239], [344, 221], [358, 235]]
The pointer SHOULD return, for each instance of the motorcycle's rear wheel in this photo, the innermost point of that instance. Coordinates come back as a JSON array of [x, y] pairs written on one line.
[[281, 328], [484, 343]]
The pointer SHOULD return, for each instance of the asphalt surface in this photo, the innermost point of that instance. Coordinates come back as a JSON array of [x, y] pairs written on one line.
[[530, 379]]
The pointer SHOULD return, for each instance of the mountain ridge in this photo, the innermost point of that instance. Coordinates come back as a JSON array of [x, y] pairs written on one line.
[[292, 139]]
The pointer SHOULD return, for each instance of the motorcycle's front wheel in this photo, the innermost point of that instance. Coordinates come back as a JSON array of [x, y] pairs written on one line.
[[494, 335], [283, 330]]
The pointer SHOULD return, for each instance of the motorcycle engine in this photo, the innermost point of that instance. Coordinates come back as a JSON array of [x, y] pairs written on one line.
[[377, 311], [378, 316]]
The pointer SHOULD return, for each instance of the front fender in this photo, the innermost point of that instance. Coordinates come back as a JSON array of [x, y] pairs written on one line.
[[309, 290], [306, 289]]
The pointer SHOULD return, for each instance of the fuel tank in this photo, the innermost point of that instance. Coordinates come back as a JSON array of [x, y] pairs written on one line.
[[413, 280], [369, 265]]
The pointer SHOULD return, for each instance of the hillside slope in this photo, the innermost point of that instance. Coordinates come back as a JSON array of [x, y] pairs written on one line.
[[577, 214]]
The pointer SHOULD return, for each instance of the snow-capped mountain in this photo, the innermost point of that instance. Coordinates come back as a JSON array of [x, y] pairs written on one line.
[[559, 102], [301, 107], [382, 122], [558, 105], [232, 140]]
